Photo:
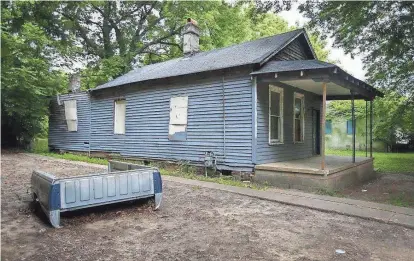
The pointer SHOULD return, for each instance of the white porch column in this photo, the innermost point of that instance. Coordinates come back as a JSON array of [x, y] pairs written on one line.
[[323, 116]]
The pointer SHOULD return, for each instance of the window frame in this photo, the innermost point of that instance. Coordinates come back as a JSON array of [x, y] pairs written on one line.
[[276, 89], [301, 96], [115, 117]]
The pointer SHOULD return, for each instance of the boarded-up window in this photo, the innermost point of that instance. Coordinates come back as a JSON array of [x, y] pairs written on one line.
[[178, 118], [298, 117], [71, 115], [275, 115], [119, 116]]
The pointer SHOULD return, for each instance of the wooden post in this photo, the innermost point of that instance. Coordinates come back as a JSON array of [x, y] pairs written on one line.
[[366, 128], [323, 115], [370, 126]]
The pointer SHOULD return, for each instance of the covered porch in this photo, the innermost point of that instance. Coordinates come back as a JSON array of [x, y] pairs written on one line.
[[328, 82]]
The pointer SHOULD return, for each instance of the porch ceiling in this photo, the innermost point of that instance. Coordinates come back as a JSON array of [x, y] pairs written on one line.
[[332, 89], [310, 74]]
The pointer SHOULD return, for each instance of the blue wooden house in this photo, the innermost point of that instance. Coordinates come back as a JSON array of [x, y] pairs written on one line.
[[251, 104]]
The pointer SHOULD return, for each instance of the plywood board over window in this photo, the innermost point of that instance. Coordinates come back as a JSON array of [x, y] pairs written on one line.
[[119, 117], [178, 118], [71, 115]]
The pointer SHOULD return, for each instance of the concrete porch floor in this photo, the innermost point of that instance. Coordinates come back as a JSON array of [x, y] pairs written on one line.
[[305, 174], [312, 165]]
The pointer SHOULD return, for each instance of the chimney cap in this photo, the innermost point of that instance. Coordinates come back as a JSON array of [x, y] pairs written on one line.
[[191, 20]]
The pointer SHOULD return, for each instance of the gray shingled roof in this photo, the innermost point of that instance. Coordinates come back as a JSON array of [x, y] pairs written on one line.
[[285, 66], [252, 52]]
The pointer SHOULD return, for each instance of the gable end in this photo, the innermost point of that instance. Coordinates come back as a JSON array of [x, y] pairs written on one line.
[[298, 49]]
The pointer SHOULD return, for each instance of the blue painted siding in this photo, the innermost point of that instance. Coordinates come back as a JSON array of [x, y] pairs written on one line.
[[147, 121], [288, 150], [59, 136]]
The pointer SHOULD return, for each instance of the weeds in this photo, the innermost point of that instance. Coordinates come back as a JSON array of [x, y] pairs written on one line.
[[399, 200], [328, 192]]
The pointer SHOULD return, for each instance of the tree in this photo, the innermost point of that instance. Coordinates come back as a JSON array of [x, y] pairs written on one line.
[[26, 77], [268, 24], [393, 116], [382, 32]]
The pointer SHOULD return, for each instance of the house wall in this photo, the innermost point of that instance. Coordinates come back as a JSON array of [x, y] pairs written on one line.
[[147, 121], [59, 136], [339, 139], [289, 150]]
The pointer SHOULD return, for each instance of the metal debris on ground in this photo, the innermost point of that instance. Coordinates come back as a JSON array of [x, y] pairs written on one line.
[[340, 251]]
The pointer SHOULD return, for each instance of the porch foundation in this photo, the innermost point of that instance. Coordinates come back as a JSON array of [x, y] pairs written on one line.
[[302, 174]]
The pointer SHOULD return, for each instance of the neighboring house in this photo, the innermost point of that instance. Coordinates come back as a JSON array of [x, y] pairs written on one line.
[[339, 135], [251, 103]]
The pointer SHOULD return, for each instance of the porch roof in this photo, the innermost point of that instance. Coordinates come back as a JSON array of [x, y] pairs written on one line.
[[310, 74]]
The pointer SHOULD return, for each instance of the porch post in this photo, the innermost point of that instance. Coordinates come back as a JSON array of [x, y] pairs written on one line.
[[323, 125], [370, 126], [366, 129], [353, 126]]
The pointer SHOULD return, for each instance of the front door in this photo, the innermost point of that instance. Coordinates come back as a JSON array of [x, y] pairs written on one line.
[[316, 131]]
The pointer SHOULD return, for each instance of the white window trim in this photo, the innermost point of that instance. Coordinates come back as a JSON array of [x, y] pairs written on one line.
[[279, 90], [115, 118], [71, 114], [301, 96]]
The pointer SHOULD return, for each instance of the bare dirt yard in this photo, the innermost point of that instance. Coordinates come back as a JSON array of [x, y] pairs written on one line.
[[193, 224], [388, 188]]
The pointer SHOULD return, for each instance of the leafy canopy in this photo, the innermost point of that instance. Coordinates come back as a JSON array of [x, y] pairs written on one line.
[[26, 77], [381, 31]]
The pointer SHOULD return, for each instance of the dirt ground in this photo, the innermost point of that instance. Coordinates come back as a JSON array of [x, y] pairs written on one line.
[[389, 188], [193, 224]]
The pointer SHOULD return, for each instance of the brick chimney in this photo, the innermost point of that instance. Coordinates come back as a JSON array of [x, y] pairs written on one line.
[[191, 36]]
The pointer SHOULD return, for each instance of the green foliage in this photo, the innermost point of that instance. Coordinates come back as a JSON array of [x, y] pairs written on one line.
[[27, 79], [76, 157], [393, 116], [40, 146], [400, 200], [381, 31], [384, 162]]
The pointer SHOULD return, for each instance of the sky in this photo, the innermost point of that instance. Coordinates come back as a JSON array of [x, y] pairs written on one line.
[[352, 66]]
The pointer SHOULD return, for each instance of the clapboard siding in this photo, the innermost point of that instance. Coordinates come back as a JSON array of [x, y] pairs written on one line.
[[59, 136], [293, 51], [147, 121], [288, 150]]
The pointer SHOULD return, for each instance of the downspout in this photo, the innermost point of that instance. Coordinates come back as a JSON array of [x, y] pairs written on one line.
[[254, 120], [224, 119], [90, 123]]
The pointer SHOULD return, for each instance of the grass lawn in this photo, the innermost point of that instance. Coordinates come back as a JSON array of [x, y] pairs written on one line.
[[384, 162]]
